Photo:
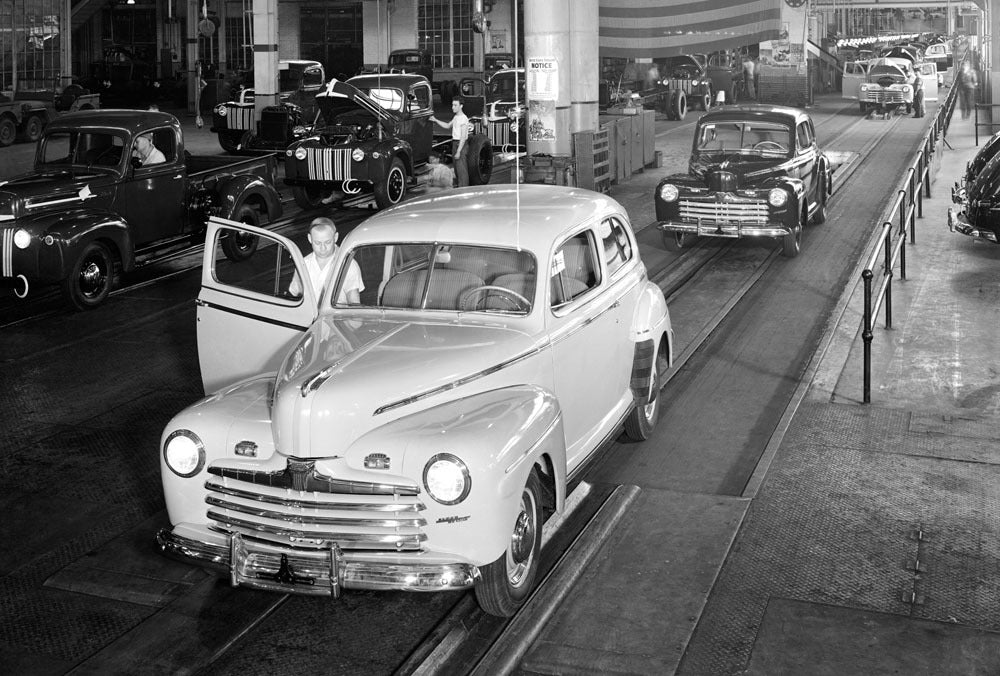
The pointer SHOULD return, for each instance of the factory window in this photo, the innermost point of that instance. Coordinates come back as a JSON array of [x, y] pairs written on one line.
[[445, 28]]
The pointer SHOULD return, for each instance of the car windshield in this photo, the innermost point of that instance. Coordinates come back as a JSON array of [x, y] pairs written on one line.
[[389, 99], [438, 276], [89, 149], [502, 85], [892, 71], [680, 67], [717, 140]]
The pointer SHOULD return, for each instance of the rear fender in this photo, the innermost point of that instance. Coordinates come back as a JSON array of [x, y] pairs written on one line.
[[501, 436], [238, 190], [650, 327]]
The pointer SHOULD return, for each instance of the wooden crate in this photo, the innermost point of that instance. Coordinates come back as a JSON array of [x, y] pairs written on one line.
[[593, 162]]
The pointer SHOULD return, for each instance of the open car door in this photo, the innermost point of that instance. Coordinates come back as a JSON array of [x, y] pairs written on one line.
[[928, 72], [855, 72], [247, 319]]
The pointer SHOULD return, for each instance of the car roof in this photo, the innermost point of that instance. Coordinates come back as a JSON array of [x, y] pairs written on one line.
[[755, 111], [528, 216], [135, 121], [393, 80], [304, 63]]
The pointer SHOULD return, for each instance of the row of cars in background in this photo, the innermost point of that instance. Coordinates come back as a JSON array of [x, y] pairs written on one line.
[[23, 115], [977, 195], [884, 83]]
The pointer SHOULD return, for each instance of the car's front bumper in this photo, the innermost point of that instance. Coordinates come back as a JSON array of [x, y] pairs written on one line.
[[959, 222], [728, 230], [319, 572]]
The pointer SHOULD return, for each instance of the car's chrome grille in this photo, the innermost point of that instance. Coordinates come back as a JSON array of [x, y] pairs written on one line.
[[8, 252], [239, 117], [500, 134], [316, 511], [678, 83], [884, 96], [329, 164], [709, 210]]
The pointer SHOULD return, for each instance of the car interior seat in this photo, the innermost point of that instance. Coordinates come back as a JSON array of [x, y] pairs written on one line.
[[406, 289]]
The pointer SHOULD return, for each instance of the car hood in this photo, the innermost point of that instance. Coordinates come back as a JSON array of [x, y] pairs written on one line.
[[747, 174], [341, 97], [348, 376], [56, 189]]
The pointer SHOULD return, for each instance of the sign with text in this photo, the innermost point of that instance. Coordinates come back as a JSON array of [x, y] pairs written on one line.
[[542, 79]]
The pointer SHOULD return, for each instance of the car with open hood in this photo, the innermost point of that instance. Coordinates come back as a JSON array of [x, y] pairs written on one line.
[[376, 138], [499, 108], [687, 74], [416, 438], [754, 171]]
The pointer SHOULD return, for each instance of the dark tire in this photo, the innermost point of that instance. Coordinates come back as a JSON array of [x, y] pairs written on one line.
[[678, 105], [309, 196], [506, 583], [819, 216], [33, 128], [864, 107], [676, 241], [392, 188], [705, 100], [642, 419], [91, 279], [239, 246], [8, 132], [230, 141], [480, 160], [791, 244]]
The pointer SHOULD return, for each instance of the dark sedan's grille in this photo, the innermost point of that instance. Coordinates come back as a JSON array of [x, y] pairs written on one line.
[[709, 210], [300, 507]]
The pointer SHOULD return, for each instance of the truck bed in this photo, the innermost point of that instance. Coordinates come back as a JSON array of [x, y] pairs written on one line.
[[201, 167]]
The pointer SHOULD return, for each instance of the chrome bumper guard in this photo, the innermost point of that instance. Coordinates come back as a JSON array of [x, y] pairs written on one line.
[[729, 230], [323, 572], [958, 222]]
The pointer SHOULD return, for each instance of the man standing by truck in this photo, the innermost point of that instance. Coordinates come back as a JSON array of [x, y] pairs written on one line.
[[459, 126]]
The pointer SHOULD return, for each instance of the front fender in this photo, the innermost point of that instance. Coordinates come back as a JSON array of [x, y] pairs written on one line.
[[238, 190], [58, 238]]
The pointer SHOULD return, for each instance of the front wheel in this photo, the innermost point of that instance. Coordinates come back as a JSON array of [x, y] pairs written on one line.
[[705, 100], [504, 584], [791, 243], [8, 132], [391, 189], [33, 128], [819, 216], [239, 246], [677, 106], [642, 419], [230, 141], [309, 196], [479, 159], [675, 241], [91, 278]]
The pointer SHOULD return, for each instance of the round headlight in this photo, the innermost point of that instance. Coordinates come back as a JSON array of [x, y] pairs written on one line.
[[358, 154], [300, 153], [22, 239], [906, 89], [777, 197], [668, 192], [221, 110], [447, 479], [184, 453], [864, 87], [288, 152]]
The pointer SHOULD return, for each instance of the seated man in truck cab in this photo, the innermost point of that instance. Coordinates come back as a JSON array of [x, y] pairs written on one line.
[[146, 152]]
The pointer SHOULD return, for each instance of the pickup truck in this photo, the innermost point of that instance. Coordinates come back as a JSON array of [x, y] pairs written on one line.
[[25, 115], [91, 209]]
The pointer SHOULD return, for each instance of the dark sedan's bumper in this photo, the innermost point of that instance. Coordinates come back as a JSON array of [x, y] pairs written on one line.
[[958, 222], [727, 230]]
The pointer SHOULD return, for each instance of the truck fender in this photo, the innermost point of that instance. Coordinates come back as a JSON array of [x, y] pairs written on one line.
[[650, 328], [236, 191], [501, 436], [71, 231]]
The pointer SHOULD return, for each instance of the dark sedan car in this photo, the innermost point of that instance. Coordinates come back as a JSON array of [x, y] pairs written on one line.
[[979, 214], [754, 171]]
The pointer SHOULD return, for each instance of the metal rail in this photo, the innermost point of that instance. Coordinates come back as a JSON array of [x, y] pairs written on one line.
[[908, 205]]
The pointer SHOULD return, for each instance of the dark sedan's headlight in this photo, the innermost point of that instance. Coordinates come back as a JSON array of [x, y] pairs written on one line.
[[669, 192], [777, 197]]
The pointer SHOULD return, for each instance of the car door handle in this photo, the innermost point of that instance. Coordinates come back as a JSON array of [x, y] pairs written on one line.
[[178, 177]]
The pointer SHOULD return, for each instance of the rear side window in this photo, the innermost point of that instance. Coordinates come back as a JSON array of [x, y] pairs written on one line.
[[804, 135], [574, 269], [616, 243]]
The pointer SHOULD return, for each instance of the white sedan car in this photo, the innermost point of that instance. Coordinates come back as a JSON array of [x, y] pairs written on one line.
[[415, 440]]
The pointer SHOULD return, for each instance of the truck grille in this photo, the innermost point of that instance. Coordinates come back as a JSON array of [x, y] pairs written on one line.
[[239, 117], [884, 96], [307, 509], [709, 210], [500, 134], [677, 83], [7, 252], [329, 164]]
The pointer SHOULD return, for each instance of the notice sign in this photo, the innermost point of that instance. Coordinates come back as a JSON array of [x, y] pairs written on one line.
[[543, 79]]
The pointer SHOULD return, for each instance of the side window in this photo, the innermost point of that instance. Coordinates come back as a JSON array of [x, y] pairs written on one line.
[[422, 97], [574, 269], [803, 135], [268, 272], [166, 141], [616, 243], [312, 77]]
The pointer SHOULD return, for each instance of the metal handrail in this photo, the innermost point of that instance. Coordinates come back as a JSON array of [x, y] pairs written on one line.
[[908, 205]]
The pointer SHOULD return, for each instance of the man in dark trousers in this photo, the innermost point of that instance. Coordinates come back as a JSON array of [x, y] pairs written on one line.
[[918, 95], [459, 126]]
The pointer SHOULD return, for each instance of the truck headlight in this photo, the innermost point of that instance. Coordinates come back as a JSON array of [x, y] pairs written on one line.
[[22, 239], [300, 153], [777, 197], [669, 192], [357, 154], [184, 453], [221, 110], [447, 479]]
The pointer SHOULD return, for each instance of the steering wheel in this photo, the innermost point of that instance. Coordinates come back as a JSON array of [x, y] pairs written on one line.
[[761, 145], [113, 154], [517, 301]]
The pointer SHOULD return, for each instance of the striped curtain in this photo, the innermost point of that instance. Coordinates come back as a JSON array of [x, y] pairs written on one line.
[[634, 29]]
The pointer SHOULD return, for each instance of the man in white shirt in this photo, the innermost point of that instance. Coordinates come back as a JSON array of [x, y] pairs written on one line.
[[147, 152], [323, 238], [459, 126]]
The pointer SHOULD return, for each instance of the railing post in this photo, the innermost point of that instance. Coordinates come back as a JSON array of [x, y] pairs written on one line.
[[902, 254], [888, 273], [866, 337], [920, 184], [975, 110]]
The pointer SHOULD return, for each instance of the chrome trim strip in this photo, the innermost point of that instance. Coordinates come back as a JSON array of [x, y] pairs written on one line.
[[316, 482], [8, 253], [315, 504], [388, 541], [312, 519]]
